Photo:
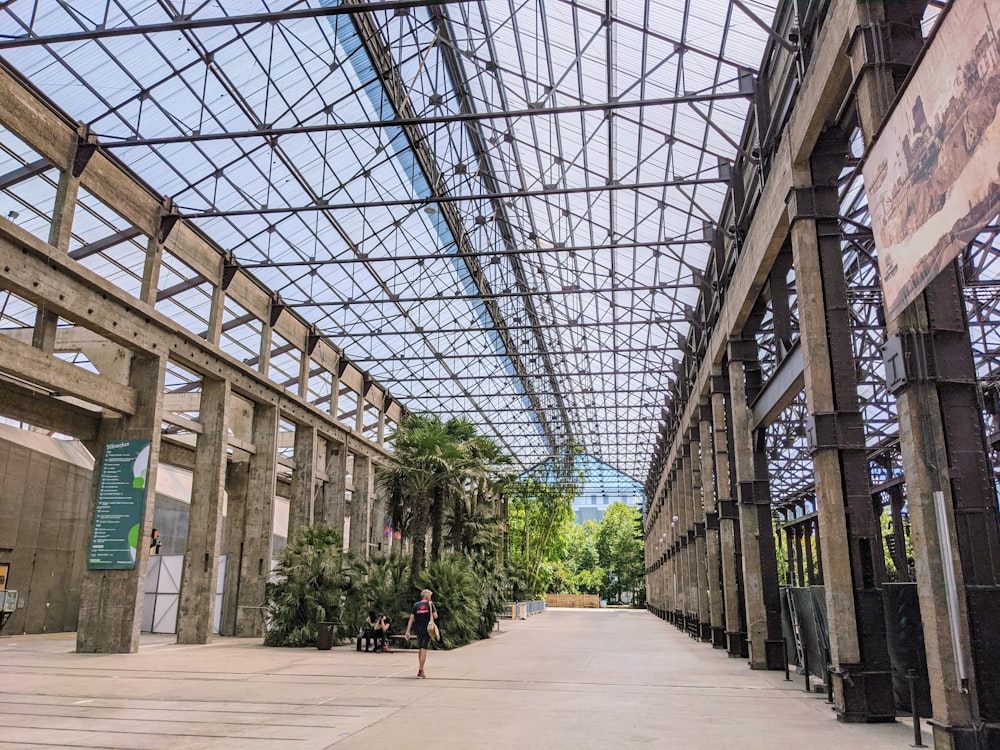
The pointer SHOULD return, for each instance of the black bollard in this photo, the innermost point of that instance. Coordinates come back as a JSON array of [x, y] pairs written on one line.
[[787, 677], [805, 667], [911, 678], [829, 678]]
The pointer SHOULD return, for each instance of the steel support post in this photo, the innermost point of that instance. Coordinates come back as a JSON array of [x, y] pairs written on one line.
[[713, 549], [852, 544], [111, 600], [760, 565], [733, 597], [953, 513], [196, 603]]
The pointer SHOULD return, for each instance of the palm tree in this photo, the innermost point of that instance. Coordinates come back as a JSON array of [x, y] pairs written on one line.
[[416, 481], [438, 470]]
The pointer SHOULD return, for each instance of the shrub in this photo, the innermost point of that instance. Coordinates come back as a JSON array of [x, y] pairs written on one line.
[[457, 598], [383, 585], [308, 586]]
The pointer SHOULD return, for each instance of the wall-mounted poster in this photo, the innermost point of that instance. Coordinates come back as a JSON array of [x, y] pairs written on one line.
[[933, 175], [121, 500]]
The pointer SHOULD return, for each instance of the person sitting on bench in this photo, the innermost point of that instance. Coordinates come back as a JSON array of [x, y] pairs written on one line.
[[382, 644], [370, 631]]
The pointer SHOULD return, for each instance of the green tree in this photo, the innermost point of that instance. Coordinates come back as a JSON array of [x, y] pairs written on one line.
[[540, 516], [444, 476], [308, 586], [620, 550]]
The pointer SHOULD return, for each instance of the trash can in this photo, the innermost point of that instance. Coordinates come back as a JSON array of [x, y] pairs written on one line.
[[324, 635]]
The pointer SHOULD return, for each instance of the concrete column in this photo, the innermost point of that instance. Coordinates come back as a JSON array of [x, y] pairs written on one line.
[[264, 353], [237, 481], [151, 271], [111, 600], [379, 519], [713, 548], [216, 313], [332, 508], [254, 563], [300, 508], [687, 530], [696, 535], [196, 605], [361, 506], [760, 566], [60, 233], [678, 539], [953, 514], [729, 531]]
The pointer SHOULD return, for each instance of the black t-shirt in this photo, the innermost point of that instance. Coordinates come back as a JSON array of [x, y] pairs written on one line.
[[422, 615]]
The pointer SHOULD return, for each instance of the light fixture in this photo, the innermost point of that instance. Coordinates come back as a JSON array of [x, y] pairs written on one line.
[[12, 215]]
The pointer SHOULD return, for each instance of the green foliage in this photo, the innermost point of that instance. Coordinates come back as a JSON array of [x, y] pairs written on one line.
[[308, 587], [384, 586], [604, 558], [620, 550], [457, 598], [539, 519], [891, 572], [781, 553], [443, 476], [496, 583]]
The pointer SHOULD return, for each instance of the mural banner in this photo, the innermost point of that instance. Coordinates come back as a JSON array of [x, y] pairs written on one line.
[[121, 500], [933, 175]]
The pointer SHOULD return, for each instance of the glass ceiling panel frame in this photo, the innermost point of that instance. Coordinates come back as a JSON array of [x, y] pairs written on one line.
[[576, 306]]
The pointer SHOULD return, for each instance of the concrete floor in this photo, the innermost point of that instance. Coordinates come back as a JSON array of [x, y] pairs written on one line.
[[604, 679]]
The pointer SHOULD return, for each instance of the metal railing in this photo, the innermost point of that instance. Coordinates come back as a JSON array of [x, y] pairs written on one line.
[[521, 610]]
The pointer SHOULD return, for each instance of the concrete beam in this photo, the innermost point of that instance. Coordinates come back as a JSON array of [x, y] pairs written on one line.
[[41, 410], [27, 363], [35, 271]]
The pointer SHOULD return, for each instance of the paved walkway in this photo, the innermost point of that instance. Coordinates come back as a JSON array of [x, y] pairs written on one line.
[[603, 679]]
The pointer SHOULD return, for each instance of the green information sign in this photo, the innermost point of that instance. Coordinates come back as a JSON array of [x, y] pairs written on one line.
[[121, 500]]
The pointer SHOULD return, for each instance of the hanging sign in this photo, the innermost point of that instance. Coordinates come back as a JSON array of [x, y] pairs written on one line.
[[121, 500], [933, 175]]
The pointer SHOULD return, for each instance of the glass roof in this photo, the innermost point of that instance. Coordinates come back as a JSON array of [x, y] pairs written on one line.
[[498, 209]]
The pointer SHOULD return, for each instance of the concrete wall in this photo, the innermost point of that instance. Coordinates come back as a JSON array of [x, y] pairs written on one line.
[[45, 487]]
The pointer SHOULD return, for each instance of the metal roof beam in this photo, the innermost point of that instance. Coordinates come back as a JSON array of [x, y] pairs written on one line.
[[446, 200], [396, 299], [558, 250], [26, 172], [184, 22], [275, 133], [397, 93]]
